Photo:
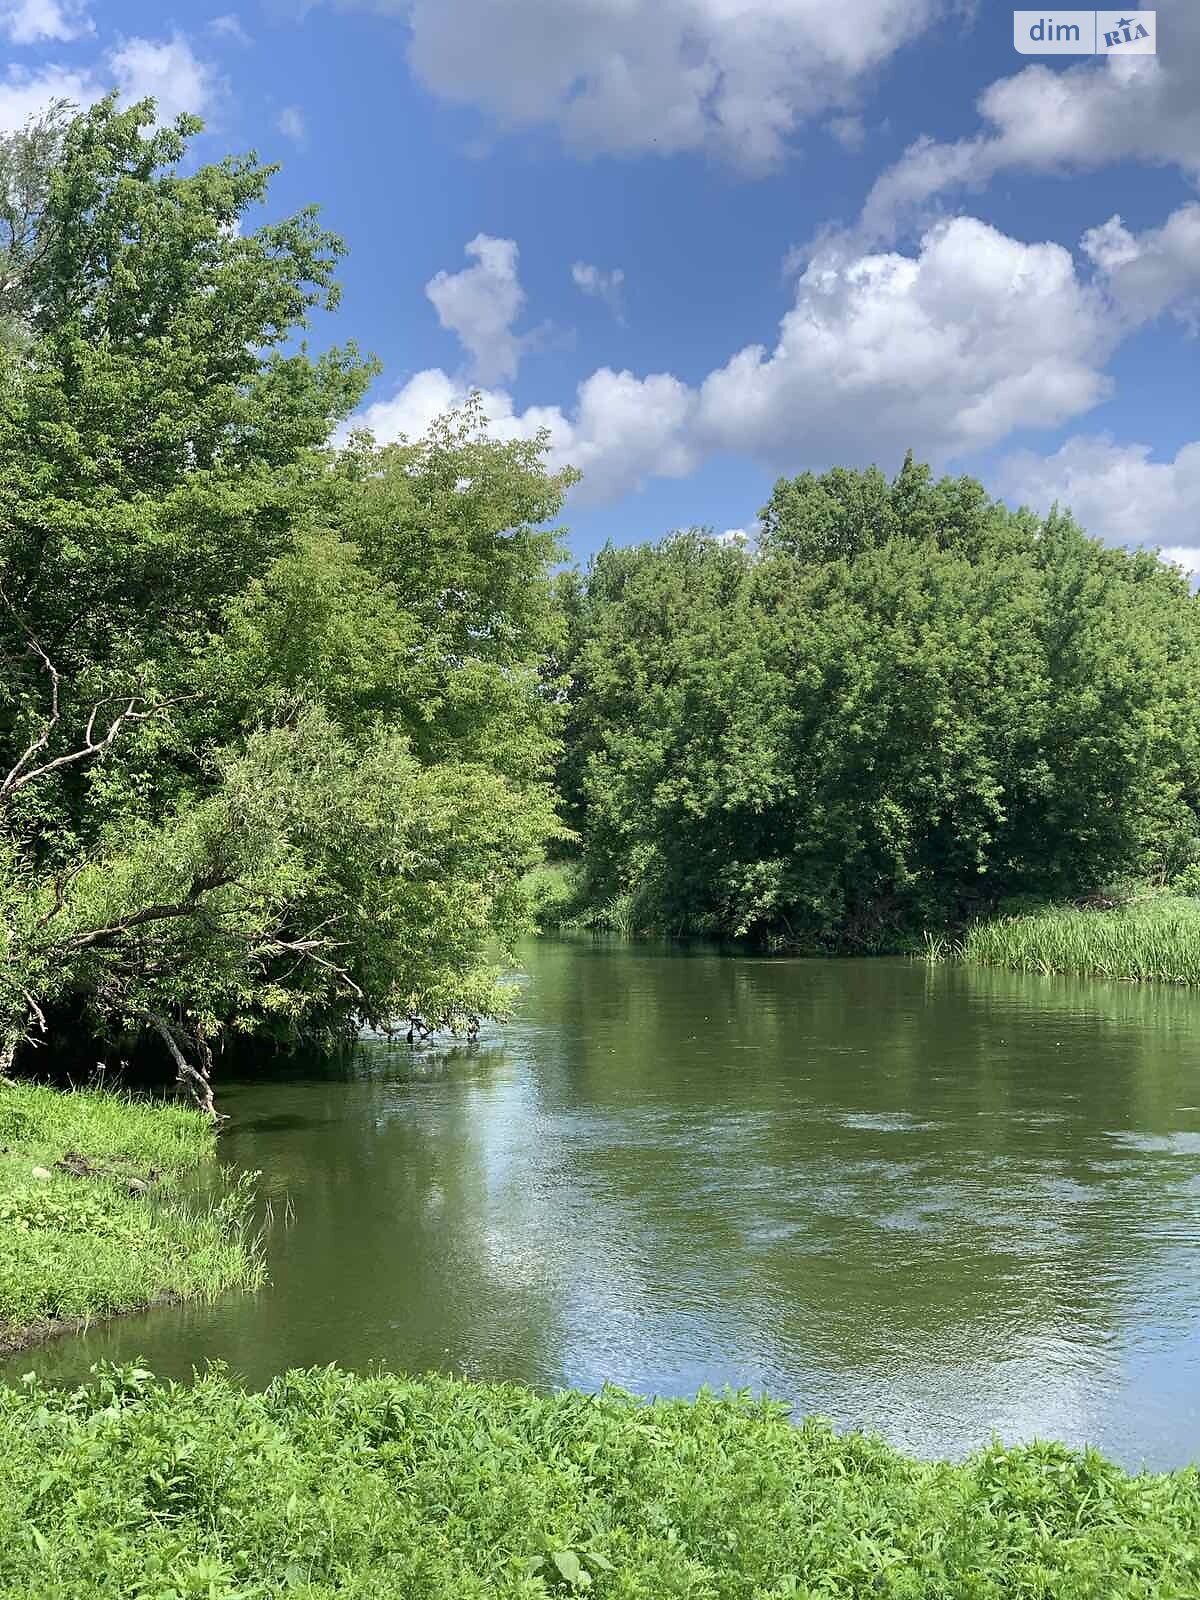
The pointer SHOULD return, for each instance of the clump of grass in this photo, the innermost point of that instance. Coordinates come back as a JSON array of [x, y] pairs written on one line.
[[1155, 939], [92, 1221], [615, 915], [938, 947], [439, 1489]]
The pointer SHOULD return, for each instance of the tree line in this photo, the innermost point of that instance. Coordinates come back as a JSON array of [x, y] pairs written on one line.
[[283, 726]]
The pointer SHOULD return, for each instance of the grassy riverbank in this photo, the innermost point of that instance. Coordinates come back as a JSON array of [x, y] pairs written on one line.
[[441, 1489], [1153, 939], [91, 1220]]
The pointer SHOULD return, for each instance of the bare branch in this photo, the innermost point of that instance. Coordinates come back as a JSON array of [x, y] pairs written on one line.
[[14, 780], [135, 711], [307, 950], [36, 1011], [195, 1080], [17, 779], [188, 907]]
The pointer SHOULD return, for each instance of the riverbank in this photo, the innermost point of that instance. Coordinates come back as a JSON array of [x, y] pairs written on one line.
[[1153, 938], [445, 1490], [1156, 939], [92, 1221]]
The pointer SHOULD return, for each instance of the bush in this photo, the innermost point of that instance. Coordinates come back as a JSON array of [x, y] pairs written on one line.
[[908, 705], [552, 893]]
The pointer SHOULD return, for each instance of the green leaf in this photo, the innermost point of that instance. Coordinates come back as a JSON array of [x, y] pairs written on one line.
[[571, 1568]]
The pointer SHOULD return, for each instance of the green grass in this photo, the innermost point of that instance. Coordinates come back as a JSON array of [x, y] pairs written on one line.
[[387, 1488], [108, 1230], [1157, 939]]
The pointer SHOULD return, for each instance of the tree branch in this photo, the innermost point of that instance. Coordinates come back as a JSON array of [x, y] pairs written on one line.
[[307, 949], [21, 773], [162, 912], [62, 882], [196, 1081], [11, 781]]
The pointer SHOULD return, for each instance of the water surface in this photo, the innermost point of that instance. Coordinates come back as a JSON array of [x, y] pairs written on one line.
[[940, 1203]]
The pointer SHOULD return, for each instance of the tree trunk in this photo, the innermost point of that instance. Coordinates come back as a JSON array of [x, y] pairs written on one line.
[[196, 1080]]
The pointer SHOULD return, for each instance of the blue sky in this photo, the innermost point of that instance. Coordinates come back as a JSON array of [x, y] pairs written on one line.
[[707, 242]]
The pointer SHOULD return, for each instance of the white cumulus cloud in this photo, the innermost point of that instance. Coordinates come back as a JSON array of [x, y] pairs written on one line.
[[1148, 273], [1143, 108], [1115, 491], [168, 71], [27, 94], [480, 305], [33, 21], [948, 349], [621, 430], [737, 76]]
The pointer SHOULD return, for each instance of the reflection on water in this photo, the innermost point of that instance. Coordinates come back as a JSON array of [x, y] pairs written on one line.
[[937, 1202]]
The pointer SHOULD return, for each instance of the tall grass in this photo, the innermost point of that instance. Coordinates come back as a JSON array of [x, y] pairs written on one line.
[[92, 1218], [1157, 939], [386, 1488], [616, 915]]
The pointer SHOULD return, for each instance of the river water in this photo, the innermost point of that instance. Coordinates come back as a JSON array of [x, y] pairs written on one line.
[[936, 1202]]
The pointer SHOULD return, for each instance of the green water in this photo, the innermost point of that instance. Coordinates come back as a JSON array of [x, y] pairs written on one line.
[[941, 1203]]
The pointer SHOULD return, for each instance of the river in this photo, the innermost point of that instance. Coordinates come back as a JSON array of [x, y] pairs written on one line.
[[939, 1202]]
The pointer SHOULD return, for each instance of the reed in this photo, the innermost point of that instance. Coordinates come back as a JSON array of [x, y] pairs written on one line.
[[1156, 939]]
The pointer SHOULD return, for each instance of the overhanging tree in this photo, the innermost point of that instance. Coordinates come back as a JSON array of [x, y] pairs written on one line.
[[273, 747]]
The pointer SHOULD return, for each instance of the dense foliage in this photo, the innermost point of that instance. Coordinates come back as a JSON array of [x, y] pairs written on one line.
[[446, 1490], [908, 705], [92, 1217], [274, 747]]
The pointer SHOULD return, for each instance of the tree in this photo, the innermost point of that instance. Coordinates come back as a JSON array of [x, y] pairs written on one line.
[[275, 742], [911, 704]]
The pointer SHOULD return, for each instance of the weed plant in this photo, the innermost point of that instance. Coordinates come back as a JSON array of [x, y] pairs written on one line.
[[1158, 938]]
